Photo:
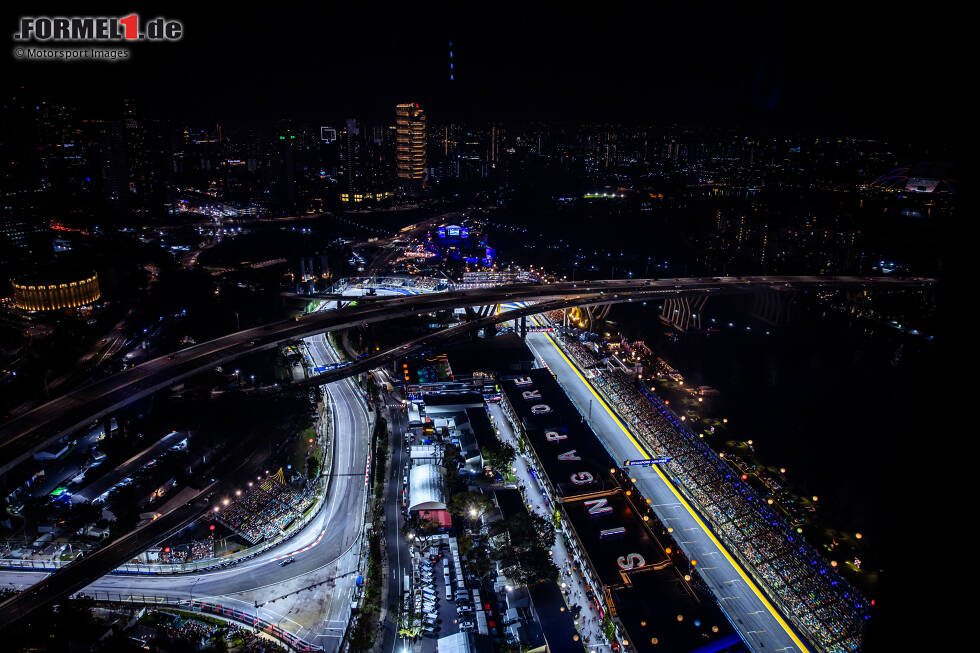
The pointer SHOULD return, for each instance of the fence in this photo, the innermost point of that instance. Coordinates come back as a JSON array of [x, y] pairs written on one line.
[[706, 515], [164, 569], [281, 635]]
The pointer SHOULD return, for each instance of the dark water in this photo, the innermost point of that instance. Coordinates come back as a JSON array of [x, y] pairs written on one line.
[[844, 405], [825, 397], [819, 396]]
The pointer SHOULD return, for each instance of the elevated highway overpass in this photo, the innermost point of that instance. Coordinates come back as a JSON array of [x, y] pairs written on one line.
[[85, 404], [22, 436], [81, 573]]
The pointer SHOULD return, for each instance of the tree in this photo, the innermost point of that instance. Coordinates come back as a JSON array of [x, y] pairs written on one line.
[[452, 460], [422, 529], [609, 629], [470, 505], [499, 458], [528, 530], [312, 467], [529, 566], [477, 555], [512, 646], [373, 389], [528, 557], [407, 629]]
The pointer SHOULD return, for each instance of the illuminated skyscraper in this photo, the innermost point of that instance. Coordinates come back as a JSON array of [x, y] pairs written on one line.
[[410, 145], [350, 159]]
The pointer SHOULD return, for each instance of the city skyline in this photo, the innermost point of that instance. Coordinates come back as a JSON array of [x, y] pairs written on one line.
[[345, 329]]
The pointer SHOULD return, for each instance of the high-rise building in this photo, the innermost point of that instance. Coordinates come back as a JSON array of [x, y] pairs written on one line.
[[115, 175], [351, 174], [148, 159], [410, 155], [284, 170], [495, 137]]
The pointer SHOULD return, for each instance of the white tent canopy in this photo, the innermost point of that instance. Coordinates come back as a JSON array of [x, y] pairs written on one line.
[[427, 488]]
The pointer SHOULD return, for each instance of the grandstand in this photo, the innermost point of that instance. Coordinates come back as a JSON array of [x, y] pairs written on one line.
[[811, 594], [265, 510], [625, 554]]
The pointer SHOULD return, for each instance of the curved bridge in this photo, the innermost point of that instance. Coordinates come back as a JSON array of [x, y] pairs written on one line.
[[86, 404], [28, 433]]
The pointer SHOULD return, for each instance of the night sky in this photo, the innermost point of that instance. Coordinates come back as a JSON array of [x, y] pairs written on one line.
[[886, 72], [876, 74]]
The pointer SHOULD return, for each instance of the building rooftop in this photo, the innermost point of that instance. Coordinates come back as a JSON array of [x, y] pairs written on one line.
[[503, 354], [427, 488], [482, 428], [556, 623], [570, 436]]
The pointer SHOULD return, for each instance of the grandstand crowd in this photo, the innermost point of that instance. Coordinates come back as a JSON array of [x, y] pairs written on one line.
[[793, 573], [172, 628], [265, 510], [425, 284], [197, 550]]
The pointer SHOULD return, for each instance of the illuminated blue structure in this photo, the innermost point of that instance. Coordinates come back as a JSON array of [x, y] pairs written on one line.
[[456, 242]]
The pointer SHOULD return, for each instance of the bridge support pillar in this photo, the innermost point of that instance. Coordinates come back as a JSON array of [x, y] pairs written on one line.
[[523, 327], [684, 312], [774, 307]]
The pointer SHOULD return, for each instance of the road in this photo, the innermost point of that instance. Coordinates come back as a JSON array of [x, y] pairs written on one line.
[[573, 586], [31, 431], [758, 623], [318, 550], [399, 556], [41, 590], [128, 467]]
